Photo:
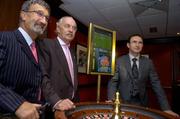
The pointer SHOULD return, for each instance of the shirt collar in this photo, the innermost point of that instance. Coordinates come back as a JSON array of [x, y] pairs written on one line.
[[131, 57], [62, 43], [26, 36]]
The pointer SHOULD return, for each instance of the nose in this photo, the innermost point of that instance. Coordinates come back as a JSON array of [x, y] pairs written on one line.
[[71, 28], [44, 20], [137, 44]]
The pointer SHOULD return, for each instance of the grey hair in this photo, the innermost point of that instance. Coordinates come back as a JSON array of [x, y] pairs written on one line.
[[62, 18], [26, 5], [60, 22]]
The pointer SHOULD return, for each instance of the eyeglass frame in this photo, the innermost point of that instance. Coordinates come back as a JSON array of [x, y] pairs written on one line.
[[39, 13]]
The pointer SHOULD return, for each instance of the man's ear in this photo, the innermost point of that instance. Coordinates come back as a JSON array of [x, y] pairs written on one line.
[[127, 45], [22, 15]]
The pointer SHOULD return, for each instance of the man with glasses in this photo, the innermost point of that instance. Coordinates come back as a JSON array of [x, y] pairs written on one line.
[[20, 74], [133, 71]]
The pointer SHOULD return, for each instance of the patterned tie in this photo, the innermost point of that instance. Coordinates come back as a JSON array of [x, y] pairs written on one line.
[[135, 72], [33, 49], [135, 75]]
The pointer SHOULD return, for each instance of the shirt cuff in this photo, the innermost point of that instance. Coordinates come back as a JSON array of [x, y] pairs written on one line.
[[56, 105]]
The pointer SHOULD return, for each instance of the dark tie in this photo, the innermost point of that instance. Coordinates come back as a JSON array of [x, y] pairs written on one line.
[[135, 72]]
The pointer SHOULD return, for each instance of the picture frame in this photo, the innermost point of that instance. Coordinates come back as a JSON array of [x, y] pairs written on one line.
[[101, 50], [81, 52]]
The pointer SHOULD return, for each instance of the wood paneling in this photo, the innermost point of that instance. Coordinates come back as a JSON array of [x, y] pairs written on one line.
[[51, 28], [9, 15], [161, 55]]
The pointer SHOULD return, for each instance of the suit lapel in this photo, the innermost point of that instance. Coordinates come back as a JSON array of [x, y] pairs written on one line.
[[128, 65], [75, 67], [24, 46], [141, 66], [62, 59]]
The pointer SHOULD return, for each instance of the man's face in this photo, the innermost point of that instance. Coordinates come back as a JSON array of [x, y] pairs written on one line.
[[36, 19], [66, 29], [135, 45]]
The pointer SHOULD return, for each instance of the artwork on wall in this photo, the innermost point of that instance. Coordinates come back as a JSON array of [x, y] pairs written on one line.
[[81, 53], [101, 50]]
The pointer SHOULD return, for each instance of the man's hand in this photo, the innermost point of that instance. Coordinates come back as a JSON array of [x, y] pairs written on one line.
[[65, 104], [28, 111], [171, 113]]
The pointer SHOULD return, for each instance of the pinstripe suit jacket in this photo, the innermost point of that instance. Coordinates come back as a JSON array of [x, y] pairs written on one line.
[[20, 75], [122, 81], [57, 82]]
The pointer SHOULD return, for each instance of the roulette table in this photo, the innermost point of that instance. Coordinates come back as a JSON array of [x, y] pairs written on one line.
[[102, 110]]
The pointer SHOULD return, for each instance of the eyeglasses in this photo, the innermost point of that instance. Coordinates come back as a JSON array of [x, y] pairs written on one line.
[[40, 14]]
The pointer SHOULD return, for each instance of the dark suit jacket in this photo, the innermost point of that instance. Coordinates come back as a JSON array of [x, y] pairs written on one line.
[[57, 83], [20, 75], [123, 76]]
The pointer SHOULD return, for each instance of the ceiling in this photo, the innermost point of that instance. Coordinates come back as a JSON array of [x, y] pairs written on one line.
[[150, 18]]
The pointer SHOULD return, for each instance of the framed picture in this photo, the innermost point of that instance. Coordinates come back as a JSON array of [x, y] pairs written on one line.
[[81, 52], [101, 50]]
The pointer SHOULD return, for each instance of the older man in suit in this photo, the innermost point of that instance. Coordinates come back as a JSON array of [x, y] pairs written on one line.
[[132, 74], [60, 70], [20, 74]]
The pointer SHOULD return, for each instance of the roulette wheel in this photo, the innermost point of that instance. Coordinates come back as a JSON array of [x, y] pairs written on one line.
[[102, 110]]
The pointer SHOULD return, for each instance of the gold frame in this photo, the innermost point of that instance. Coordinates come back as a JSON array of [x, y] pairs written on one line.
[[95, 54]]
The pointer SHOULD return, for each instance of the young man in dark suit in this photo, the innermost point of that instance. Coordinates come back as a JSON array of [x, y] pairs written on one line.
[[59, 66], [20, 74], [132, 73]]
